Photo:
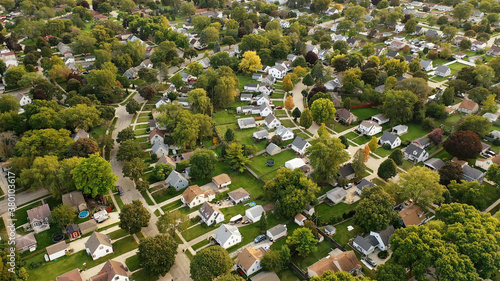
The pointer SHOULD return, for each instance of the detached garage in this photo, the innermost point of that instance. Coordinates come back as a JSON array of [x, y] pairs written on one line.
[[56, 251], [277, 232], [296, 163]]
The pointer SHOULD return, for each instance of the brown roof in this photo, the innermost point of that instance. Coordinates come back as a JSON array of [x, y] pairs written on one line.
[[57, 247], [26, 240], [460, 162], [411, 214], [156, 131], [191, 192], [343, 114], [39, 213], [345, 261], [468, 104], [74, 199], [495, 159], [110, 269], [166, 160], [73, 275], [249, 256], [238, 193], [221, 179], [86, 225], [300, 217]]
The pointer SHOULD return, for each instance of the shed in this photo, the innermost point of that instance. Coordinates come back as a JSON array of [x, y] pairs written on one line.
[[273, 149], [56, 251], [87, 227], [222, 180], [295, 163], [277, 232], [73, 231], [255, 213], [239, 195], [300, 219]]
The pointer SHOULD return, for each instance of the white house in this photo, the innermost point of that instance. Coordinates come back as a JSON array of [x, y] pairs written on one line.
[[300, 219], [486, 163], [112, 270], [380, 118], [376, 239], [161, 102], [273, 149], [295, 163], [156, 136], [478, 45], [194, 196], [245, 123], [442, 71], [392, 140], [227, 236], [98, 245], [39, 218], [239, 195], [261, 135], [56, 251], [468, 107], [8, 57], [265, 110], [249, 260], [222, 180], [23, 99], [284, 132], [300, 145], [272, 122], [246, 97], [426, 65], [369, 128], [160, 149], [312, 48], [210, 214], [415, 153], [277, 232], [255, 213], [399, 28], [251, 87], [490, 116], [262, 99], [176, 180], [399, 130], [284, 23], [278, 71], [147, 63]]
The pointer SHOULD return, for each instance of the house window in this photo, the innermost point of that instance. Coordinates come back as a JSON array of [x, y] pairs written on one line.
[[100, 248], [107, 251]]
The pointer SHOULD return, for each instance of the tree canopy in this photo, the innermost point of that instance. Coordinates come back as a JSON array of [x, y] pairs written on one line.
[[209, 263], [134, 216], [94, 176]]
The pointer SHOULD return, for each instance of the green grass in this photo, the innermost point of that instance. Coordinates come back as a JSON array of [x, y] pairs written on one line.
[[21, 214], [491, 193], [147, 198], [141, 126], [119, 201], [172, 206], [378, 182], [277, 95], [456, 67], [118, 234], [64, 264], [495, 210], [326, 212], [364, 113], [141, 275], [157, 213], [342, 236], [382, 152], [415, 131], [351, 135], [200, 244], [362, 139], [244, 136], [278, 102], [244, 79], [440, 61], [288, 275], [44, 239], [140, 132], [258, 164], [164, 194], [407, 165], [132, 263], [438, 78], [280, 113], [198, 230], [322, 251], [443, 155], [223, 116], [287, 123]]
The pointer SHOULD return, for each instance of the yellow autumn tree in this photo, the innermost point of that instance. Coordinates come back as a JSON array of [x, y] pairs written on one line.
[[366, 150], [250, 62], [289, 105], [287, 84]]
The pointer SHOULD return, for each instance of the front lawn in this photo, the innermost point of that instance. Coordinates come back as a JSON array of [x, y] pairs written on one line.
[[243, 136], [288, 123], [119, 201], [132, 263], [491, 193], [258, 164], [118, 234], [199, 230], [364, 113], [342, 235], [382, 152], [165, 194], [172, 206], [141, 275]]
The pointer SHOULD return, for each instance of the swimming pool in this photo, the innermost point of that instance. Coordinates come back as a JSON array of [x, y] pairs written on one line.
[[83, 214]]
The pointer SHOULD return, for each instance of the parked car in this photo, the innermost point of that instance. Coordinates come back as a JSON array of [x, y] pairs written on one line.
[[279, 107], [120, 190], [370, 262], [260, 238]]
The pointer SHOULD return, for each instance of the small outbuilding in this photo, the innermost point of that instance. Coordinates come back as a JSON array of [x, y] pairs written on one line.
[[56, 251], [277, 232]]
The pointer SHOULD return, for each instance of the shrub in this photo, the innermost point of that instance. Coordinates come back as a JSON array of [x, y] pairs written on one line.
[[383, 255]]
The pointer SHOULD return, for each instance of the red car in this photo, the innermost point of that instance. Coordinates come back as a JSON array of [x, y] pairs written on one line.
[[279, 107]]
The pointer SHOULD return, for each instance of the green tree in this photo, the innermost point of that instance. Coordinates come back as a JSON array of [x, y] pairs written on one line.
[[322, 110], [477, 124], [230, 277], [81, 116], [374, 211], [326, 154], [462, 11], [469, 193], [199, 101], [490, 105], [134, 216], [397, 156], [449, 33], [161, 171], [451, 171], [202, 163], [421, 185], [303, 241], [157, 254], [493, 173], [235, 158], [187, 130], [94, 176], [63, 215], [263, 222], [83, 43], [448, 96], [395, 67], [13, 75], [373, 143], [358, 162], [308, 80], [410, 26], [296, 114], [172, 221], [209, 263], [134, 169], [125, 134], [8, 103], [399, 106], [306, 118], [129, 150], [479, 94], [387, 169], [391, 271], [292, 189], [132, 107], [331, 275], [229, 135], [83, 148], [352, 80]]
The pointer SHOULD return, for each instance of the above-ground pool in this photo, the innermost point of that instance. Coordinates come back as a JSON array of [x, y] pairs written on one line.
[[58, 238], [252, 204], [83, 214]]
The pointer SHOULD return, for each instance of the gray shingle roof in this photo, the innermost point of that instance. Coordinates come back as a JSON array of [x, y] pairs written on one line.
[[299, 142], [436, 163], [97, 239], [442, 69], [364, 183], [346, 170], [385, 234], [388, 137], [471, 174], [426, 63], [278, 229], [362, 242], [414, 150]]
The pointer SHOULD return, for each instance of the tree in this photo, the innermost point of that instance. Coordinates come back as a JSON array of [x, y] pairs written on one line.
[[449, 33], [132, 107], [374, 211], [399, 105], [287, 84], [358, 162], [493, 173], [187, 129], [161, 171], [172, 221], [465, 44], [322, 131], [490, 105], [83, 43], [352, 80], [464, 145], [134, 216], [129, 150], [451, 171], [308, 80], [397, 157], [296, 113], [448, 96], [355, 13], [209, 263], [289, 105], [373, 143], [303, 241], [292, 189], [322, 110], [436, 136], [229, 135], [8, 103], [479, 94], [469, 193], [421, 185], [189, 54], [250, 62], [13, 75], [311, 57], [94, 176], [125, 134], [83, 148], [81, 116], [199, 101], [237, 161], [157, 254], [391, 271], [148, 92], [395, 67], [477, 124], [326, 154], [306, 118], [410, 26], [134, 169], [462, 11], [263, 222], [202, 163], [277, 140], [63, 215], [387, 169], [230, 277]]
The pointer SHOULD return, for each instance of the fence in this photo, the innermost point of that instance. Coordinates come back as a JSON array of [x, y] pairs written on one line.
[[299, 271], [363, 105], [327, 237]]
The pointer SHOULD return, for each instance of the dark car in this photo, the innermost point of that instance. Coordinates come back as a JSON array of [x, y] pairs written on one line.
[[370, 262], [260, 238], [279, 107]]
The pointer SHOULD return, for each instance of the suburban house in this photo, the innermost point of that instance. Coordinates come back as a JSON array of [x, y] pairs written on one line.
[[392, 140], [23, 99], [415, 153], [284, 132], [239, 195], [87, 227], [205, 63], [26, 243], [156, 136], [478, 45], [160, 149], [265, 110], [145, 63], [336, 195], [39, 218], [300, 145], [434, 164], [391, 54], [245, 123], [300, 219], [73, 231], [396, 45], [80, 134], [246, 97], [472, 174], [345, 116], [459, 55], [194, 196], [380, 118], [345, 261], [98, 245], [347, 172], [413, 215], [249, 260], [432, 33], [272, 122], [255, 213], [277, 232], [312, 48], [490, 116], [73, 275], [399, 130], [362, 184], [442, 71], [295, 163], [210, 214], [56, 251], [251, 87], [369, 128], [260, 135], [112, 270], [273, 149], [166, 160], [176, 180], [227, 235], [222, 180], [493, 51], [257, 76], [468, 107], [262, 99], [376, 239], [278, 71], [426, 65], [330, 230], [75, 200], [333, 84], [486, 163]]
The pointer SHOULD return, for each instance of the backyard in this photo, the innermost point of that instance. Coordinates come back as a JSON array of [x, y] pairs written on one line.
[[326, 213], [258, 164], [342, 236]]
